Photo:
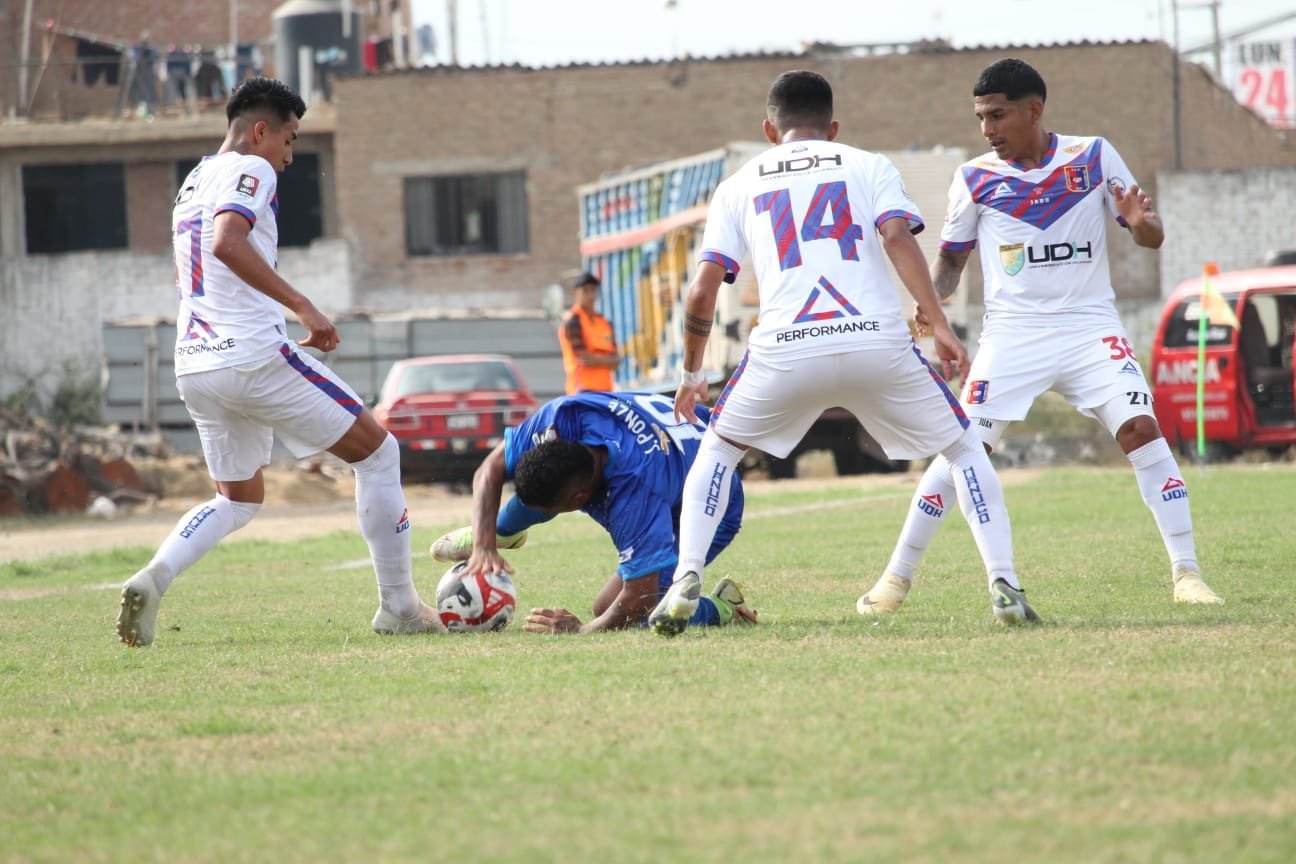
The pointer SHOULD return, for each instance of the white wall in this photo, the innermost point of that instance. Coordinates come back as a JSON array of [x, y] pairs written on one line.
[[52, 307], [1234, 218]]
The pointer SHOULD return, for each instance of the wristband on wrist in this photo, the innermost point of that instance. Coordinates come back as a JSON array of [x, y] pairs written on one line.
[[691, 379]]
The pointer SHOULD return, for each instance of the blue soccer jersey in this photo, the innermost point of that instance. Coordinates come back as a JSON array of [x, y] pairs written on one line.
[[649, 455]]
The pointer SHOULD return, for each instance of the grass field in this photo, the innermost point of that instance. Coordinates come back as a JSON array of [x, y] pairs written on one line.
[[269, 724]]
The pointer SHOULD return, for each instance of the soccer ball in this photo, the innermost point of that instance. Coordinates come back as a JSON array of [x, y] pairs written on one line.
[[478, 602]]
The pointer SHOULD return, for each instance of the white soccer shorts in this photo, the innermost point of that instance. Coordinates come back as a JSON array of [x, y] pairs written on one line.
[[1088, 361], [898, 397], [239, 410]]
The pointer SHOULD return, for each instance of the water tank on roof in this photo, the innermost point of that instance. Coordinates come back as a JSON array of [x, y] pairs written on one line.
[[315, 40]]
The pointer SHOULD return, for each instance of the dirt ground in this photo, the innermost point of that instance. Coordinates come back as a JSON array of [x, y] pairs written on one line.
[[299, 503]]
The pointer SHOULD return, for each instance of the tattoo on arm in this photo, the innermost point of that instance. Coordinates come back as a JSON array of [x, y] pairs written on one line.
[[945, 275], [697, 326]]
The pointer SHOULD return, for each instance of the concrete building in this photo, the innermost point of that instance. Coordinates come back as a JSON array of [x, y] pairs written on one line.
[[450, 188]]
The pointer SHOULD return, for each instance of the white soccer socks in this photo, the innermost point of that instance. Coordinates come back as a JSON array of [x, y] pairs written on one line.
[[384, 524]]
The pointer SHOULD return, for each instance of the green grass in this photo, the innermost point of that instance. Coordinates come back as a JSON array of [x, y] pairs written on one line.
[[269, 724]]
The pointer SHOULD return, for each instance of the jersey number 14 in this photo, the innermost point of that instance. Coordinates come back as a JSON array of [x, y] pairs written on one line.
[[828, 198]]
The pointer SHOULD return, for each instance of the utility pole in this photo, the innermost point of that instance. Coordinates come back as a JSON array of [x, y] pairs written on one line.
[[452, 30], [24, 56], [1178, 118]]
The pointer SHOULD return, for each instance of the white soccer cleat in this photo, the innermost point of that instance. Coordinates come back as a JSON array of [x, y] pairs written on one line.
[[671, 617], [137, 620], [1189, 587], [427, 620], [458, 544], [885, 596], [1009, 605]]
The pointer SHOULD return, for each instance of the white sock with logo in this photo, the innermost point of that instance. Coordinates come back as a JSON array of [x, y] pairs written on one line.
[[195, 534], [932, 499], [1165, 494], [705, 499], [982, 501], [384, 524]]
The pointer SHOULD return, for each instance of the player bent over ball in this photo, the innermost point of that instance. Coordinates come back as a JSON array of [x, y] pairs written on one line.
[[620, 458]]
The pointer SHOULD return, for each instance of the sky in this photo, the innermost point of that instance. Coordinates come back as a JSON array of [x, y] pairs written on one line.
[[557, 32]]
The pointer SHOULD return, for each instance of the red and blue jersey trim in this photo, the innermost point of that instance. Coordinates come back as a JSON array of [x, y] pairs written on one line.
[[916, 225], [731, 266], [325, 385], [1037, 204], [239, 209], [724, 394], [955, 405]]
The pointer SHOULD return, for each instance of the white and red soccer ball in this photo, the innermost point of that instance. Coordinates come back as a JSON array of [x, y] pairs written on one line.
[[475, 602]]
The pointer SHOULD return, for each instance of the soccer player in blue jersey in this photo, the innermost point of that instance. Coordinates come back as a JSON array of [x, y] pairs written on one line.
[[1040, 205], [243, 381], [621, 458]]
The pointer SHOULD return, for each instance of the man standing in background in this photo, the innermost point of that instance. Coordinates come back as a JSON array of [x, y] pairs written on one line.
[[588, 344]]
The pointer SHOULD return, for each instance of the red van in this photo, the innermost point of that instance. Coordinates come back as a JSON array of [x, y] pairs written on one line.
[[1247, 400]]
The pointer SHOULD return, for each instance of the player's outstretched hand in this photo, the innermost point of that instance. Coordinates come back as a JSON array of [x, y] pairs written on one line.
[[686, 399], [320, 332], [551, 621], [487, 561], [1133, 204]]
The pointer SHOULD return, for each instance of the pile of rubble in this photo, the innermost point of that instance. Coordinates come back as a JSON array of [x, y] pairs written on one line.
[[44, 469]]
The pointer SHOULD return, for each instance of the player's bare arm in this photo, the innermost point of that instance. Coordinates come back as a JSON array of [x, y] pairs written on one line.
[[488, 486], [699, 312], [911, 267], [947, 270], [1135, 207], [231, 245], [631, 606]]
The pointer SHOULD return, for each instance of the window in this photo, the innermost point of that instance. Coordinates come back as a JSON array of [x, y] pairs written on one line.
[[301, 217], [466, 214], [1184, 325], [72, 207]]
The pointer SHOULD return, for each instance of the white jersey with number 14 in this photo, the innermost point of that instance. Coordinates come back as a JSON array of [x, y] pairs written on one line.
[[807, 213]]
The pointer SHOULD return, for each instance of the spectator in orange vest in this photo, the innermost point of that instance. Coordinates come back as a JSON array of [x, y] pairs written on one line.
[[589, 346]]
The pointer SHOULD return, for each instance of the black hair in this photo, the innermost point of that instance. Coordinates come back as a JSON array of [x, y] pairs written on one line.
[[548, 470], [264, 94], [800, 99], [1015, 79]]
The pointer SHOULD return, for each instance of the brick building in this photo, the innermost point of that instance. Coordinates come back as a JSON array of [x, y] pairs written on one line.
[[454, 188], [549, 130]]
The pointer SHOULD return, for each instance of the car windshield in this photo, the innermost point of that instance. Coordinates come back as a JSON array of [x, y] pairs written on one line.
[[1183, 328], [456, 378]]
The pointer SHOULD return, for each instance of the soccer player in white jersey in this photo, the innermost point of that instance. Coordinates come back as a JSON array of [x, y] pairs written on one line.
[[1038, 206], [831, 333], [242, 379]]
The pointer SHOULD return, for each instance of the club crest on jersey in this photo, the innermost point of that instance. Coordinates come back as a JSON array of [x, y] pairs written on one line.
[[1012, 257], [1077, 178], [247, 185], [977, 391], [844, 306]]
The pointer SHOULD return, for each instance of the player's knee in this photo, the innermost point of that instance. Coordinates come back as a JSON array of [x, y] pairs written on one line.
[[243, 512], [385, 457], [1136, 432]]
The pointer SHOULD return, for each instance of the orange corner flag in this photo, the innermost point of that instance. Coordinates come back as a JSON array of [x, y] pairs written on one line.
[[1215, 307]]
